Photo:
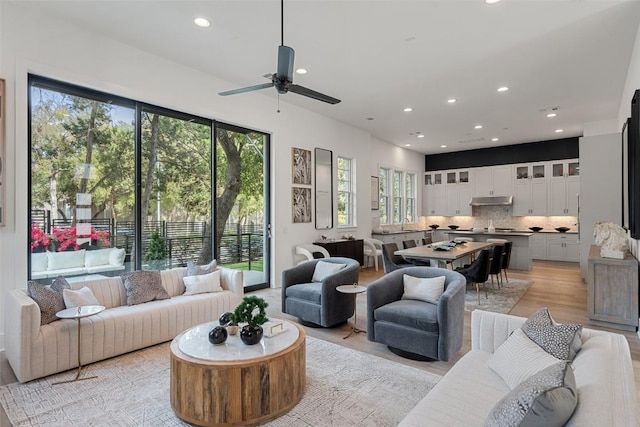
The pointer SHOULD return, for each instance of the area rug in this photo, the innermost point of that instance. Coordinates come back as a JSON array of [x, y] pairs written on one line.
[[500, 300], [344, 388]]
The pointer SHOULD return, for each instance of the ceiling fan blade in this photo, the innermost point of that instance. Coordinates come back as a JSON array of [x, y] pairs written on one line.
[[301, 90], [246, 89], [285, 63]]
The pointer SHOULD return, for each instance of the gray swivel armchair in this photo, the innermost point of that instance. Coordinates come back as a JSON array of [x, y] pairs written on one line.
[[319, 303], [416, 329]]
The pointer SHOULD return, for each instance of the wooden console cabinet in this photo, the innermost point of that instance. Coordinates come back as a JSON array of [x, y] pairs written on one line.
[[345, 248], [613, 291]]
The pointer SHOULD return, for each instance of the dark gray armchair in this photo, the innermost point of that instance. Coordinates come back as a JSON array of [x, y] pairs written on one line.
[[416, 329], [319, 303]]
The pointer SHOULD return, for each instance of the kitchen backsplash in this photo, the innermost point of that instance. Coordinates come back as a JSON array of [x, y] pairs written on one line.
[[502, 217]]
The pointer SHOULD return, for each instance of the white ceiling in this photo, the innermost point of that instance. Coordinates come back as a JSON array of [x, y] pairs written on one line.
[[381, 56]]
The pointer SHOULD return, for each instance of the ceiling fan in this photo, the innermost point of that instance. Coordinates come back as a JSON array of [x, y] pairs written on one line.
[[282, 80]]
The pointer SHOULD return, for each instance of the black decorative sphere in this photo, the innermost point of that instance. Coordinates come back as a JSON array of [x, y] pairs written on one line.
[[218, 335], [251, 335], [225, 318]]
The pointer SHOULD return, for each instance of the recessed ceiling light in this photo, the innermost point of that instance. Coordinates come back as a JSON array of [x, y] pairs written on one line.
[[495, 139], [452, 100], [407, 145], [551, 115], [503, 89], [369, 118], [491, 1], [559, 130], [443, 146], [202, 22], [301, 71], [421, 136], [477, 127], [408, 109]]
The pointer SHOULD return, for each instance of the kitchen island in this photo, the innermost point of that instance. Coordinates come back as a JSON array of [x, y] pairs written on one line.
[[520, 252]]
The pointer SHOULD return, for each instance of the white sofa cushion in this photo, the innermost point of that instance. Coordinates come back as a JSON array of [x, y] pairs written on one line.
[[64, 260], [82, 296], [518, 358], [97, 257], [203, 283], [427, 289], [324, 269]]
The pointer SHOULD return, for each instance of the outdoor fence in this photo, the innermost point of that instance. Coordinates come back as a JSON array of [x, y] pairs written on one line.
[[185, 240]]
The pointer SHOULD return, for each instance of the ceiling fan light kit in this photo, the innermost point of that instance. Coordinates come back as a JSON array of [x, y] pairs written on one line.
[[282, 79]]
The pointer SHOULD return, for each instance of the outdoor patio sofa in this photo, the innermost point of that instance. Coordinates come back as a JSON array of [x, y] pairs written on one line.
[[35, 350], [465, 396], [73, 263]]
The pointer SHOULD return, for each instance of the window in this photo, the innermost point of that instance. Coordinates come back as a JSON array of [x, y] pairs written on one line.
[[397, 196], [410, 196], [346, 196], [384, 195], [140, 182]]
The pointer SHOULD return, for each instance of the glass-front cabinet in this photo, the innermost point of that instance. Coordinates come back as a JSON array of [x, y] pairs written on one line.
[[565, 168], [530, 171]]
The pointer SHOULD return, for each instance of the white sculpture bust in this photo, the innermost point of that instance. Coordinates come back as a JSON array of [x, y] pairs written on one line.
[[611, 238]]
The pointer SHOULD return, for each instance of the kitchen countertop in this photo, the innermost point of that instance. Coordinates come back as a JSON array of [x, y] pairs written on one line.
[[495, 233], [400, 232]]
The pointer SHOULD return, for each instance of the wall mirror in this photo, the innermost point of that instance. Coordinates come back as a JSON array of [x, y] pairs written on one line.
[[324, 188]]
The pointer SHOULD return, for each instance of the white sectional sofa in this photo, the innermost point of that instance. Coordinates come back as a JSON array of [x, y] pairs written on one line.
[[466, 394], [72, 263], [35, 350]]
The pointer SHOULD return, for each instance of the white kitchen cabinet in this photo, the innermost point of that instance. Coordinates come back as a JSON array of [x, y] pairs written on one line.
[[538, 246], [399, 236], [563, 247], [434, 196], [458, 196], [530, 171], [530, 198], [564, 187], [492, 181]]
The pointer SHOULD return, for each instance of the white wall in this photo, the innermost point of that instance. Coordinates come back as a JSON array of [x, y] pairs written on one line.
[[43, 45]]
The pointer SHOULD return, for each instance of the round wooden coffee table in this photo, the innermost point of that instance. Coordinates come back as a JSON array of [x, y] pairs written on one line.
[[234, 384]]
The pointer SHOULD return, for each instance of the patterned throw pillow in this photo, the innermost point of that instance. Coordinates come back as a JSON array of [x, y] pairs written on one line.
[[197, 270], [561, 341], [547, 398], [143, 286], [49, 299]]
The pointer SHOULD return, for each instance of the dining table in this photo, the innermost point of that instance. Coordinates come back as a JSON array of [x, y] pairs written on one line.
[[443, 256]]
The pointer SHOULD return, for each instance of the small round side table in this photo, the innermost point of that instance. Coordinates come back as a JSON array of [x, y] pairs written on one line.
[[78, 313], [354, 289]]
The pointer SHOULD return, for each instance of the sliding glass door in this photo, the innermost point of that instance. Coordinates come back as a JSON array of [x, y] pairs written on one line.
[[241, 197]]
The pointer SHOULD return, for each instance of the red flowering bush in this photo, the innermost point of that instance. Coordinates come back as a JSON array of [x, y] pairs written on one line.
[[67, 238], [39, 239]]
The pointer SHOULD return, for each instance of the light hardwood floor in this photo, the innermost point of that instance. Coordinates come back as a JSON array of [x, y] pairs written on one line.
[[555, 285]]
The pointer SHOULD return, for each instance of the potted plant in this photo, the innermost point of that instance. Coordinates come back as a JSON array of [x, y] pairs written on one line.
[[252, 312], [156, 254], [40, 240]]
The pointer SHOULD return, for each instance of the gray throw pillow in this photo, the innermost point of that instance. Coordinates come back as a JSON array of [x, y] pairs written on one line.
[[561, 341], [143, 286], [198, 270], [48, 298], [546, 399]]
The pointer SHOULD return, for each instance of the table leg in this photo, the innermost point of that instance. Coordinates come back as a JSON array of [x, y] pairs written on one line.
[[354, 327], [77, 378]]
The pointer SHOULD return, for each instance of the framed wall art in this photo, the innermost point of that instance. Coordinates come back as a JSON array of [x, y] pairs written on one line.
[[375, 193], [300, 166], [301, 204]]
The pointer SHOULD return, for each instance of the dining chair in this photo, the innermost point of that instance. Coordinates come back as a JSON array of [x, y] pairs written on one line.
[[478, 272], [372, 249]]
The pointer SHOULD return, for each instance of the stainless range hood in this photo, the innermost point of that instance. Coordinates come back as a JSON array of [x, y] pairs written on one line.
[[492, 201]]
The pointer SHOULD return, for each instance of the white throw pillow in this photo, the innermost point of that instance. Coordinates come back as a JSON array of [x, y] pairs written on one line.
[[62, 260], [38, 262], [428, 289], [203, 283], [518, 358], [116, 257], [97, 257], [82, 296], [324, 269]]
